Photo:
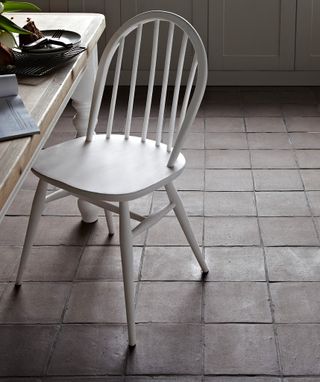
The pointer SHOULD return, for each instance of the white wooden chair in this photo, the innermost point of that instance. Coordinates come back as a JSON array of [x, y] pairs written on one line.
[[109, 167]]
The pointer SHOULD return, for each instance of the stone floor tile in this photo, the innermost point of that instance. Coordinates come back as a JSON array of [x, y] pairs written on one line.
[[34, 303], [168, 232], [277, 180], [98, 302], [22, 379], [63, 207], [62, 230], [229, 204], [298, 95], [223, 110], [282, 204], [305, 140], [293, 264], [194, 158], [227, 231], [194, 141], [311, 179], [235, 264], [2, 288], [296, 302], [296, 110], [228, 180], [299, 349], [54, 263], [262, 110], [9, 257], [24, 349], [221, 95], [100, 235], [170, 264], [288, 231], [224, 125], [104, 263], [272, 159], [314, 200], [141, 205], [240, 349], [306, 124], [308, 158], [227, 159], [242, 379], [237, 302], [31, 182], [176, 378], [307, 379], [252, 96], [265, 125], [169, 302], [89, 350], [21, 204], [177, 350], [192, 201], [228, 141], [190, 180], [268, 141], [81, 379], [13, 230], [317, 222]]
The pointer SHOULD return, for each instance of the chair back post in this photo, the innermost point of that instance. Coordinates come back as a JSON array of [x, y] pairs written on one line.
[[199, 70]]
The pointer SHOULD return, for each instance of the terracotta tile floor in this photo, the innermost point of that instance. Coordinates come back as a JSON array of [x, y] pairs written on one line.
[[252, 191]]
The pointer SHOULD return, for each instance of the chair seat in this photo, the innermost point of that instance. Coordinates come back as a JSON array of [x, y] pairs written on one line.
[[115, 169]]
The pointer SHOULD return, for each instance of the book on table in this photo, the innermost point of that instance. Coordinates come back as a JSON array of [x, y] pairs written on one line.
[[15, 121]]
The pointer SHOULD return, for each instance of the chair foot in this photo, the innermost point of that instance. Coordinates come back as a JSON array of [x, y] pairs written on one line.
[[204, 275], [109, 220]]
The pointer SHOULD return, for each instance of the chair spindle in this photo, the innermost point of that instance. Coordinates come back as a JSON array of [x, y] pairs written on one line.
[[177, 85], [151, 79], [115, 88], [165, 83], [188, 91], [133, 80]]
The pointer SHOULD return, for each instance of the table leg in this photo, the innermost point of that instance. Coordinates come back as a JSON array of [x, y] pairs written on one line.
[[81, 101]]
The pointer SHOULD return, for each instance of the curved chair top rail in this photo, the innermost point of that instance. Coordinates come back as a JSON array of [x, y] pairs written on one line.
[[189, 107]]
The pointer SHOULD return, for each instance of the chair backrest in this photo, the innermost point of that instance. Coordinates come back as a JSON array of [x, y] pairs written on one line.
[[194, 89]]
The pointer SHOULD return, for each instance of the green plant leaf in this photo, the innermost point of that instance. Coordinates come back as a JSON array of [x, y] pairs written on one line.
[[16, 6], [10, 26]]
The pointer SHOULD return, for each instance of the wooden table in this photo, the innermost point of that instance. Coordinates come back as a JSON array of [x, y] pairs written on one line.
[[46, 99]]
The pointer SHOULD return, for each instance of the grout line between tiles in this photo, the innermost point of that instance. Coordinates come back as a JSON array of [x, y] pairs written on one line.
[[304, 188], [55, 340], [266, 275]]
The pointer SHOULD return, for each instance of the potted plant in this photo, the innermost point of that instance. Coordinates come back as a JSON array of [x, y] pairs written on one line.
[[7, 26]]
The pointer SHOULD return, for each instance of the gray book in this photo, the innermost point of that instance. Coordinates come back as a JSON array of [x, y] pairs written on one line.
[[15, 121]]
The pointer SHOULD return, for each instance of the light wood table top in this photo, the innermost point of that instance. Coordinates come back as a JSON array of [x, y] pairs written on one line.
[[47, 97]]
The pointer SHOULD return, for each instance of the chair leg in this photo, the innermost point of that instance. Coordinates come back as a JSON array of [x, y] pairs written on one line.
[[109, 219], [185, 225], [127, 269], [89, 212], [36, 210]]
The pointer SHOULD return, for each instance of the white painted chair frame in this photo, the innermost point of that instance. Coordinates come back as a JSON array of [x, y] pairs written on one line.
[[174, 159]]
